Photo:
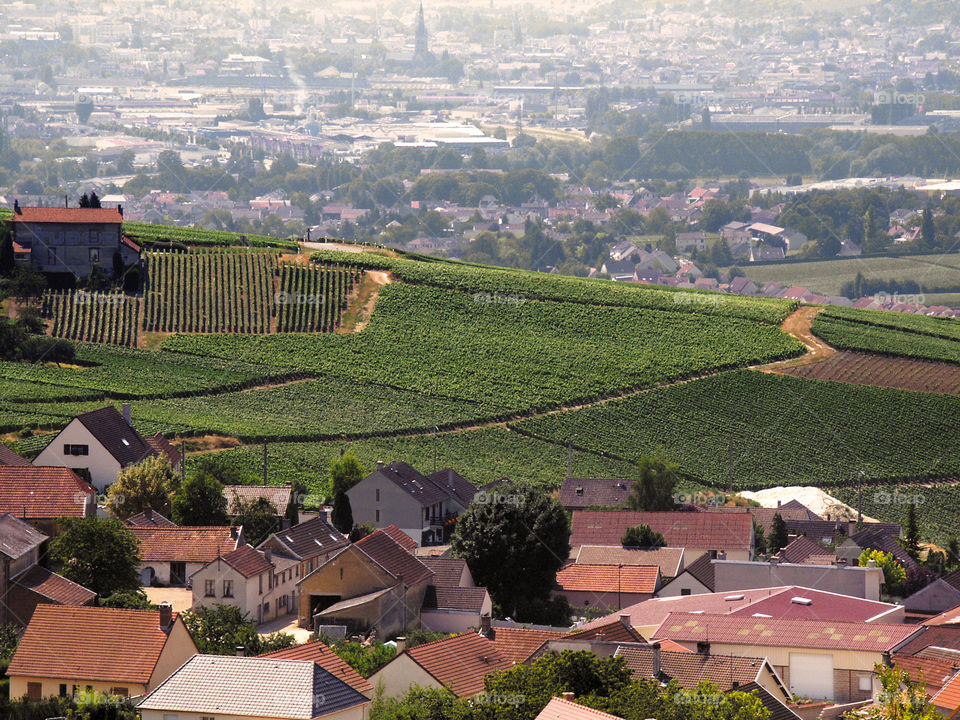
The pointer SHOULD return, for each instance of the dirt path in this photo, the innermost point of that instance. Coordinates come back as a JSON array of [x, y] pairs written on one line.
[[361, 308], [799, 324]]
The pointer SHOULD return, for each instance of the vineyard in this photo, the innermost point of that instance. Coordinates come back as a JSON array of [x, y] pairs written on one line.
[[149, 234], [784, 430], [883, 371], [886, 339], [108, 318], [209, 292], [937, 506], [312, 299]]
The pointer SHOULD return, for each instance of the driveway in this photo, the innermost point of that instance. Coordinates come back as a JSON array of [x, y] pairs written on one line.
[[287, 624], [179, 598]]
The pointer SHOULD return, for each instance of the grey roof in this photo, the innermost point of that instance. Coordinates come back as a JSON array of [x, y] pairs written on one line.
[[17, 537], [414, 483], [459, 487], [702, 570], [582, 493], [259, 687], [121, 440], [307, 539]]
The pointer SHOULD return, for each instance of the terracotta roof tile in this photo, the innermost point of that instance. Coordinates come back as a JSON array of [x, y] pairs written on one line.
[[943, 636], [778, 632], [455, 598], [248, 561], [612, 629], [689, 668], [9, 457], [518, 644], [460, 662], [949, 695], [149, 518], [321, 654], [669, 559], [394, 559], [90, 643], [579, 493], [447, 571], [184, 544], [936, 672], [407, 542], [110, 216], [560, 709], [55, 588], [715, 531], [609, 578], [43, 492], [162, 446], [802, 548]]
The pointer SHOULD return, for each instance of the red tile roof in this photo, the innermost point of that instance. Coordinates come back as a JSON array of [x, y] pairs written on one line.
[[9, 457], [713, 531], [184, 544], [935, 672], [162, 446], [949, 617], [68, 215], [407, 542], [669, 559], [90, 643], [278, 495], [518, 644], [55, 588], [248, 561], [460, 662], [560, 709], [943, 636], [391, 556], [150, 518], [690, 668], [321, 654], [38, 492], [447, 570], [949, 696], [776, 632], [822, 606], [455, 598], [609, 578], [613, 630]]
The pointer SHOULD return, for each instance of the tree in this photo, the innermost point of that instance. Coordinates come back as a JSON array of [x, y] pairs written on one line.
[[151, 483], [514, 540], [258, 517], [7, 260], [927, 229], [759, 541], [342, 514], [200, 501], [779, 538], [893, 573], [298, 491], [642, 536], [345, 473], [953, 552], [221, 629], [99, 553], [911, 540], [653, 488], [900, 697], [135, 600]]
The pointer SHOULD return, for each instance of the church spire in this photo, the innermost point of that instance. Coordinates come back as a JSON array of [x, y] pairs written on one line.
[[421, 50]]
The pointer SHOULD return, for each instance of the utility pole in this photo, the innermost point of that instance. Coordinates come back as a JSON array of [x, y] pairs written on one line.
[[436, 431], [860, 475]]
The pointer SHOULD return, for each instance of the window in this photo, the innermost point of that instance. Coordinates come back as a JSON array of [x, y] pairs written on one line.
[[209, 588], [228, 588], [69, 449], [684, 591], [866, 683], [121, 691], [34, 690], [51, 257], [63, 689], [426, 514], [341, 573], [378, 516], [260, 578], [378, 494], [94, 255]]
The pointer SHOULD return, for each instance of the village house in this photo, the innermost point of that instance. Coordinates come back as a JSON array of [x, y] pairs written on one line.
[[669, 560], [98, 444], [171, 555], [453, 603], [280, 496], [318, 652], [73, 240], [311, 543], [606, 587], [24, 584], [372, 584], [261, 583], [582, 493], [425, 507], [43, 496], [261, 688], [817, 659], [66, 650]]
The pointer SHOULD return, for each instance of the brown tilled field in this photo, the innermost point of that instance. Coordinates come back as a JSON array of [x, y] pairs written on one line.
[[891, 372]]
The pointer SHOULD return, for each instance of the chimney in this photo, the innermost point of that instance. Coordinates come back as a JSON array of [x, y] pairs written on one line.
[[568, 696], [450, 478], [703, 647], [16, 207], [887, 659], [485, 625], [268, 555], [774, 560], [379, 464], [722, 555], [166, 615], [241, 651], [120, 210], [233, 532], [127, 417], [148, 513], [625, 620], [871, 563], [66, 203], [656, 660], [778, 503], [600, 637], [401, 644]]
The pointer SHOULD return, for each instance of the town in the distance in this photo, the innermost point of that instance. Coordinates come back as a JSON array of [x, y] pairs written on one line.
[[480, 360]]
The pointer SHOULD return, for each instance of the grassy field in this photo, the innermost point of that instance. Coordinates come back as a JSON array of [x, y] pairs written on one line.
[[828, 276]]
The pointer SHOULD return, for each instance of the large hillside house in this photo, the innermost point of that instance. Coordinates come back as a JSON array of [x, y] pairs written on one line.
[[72, 240]]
